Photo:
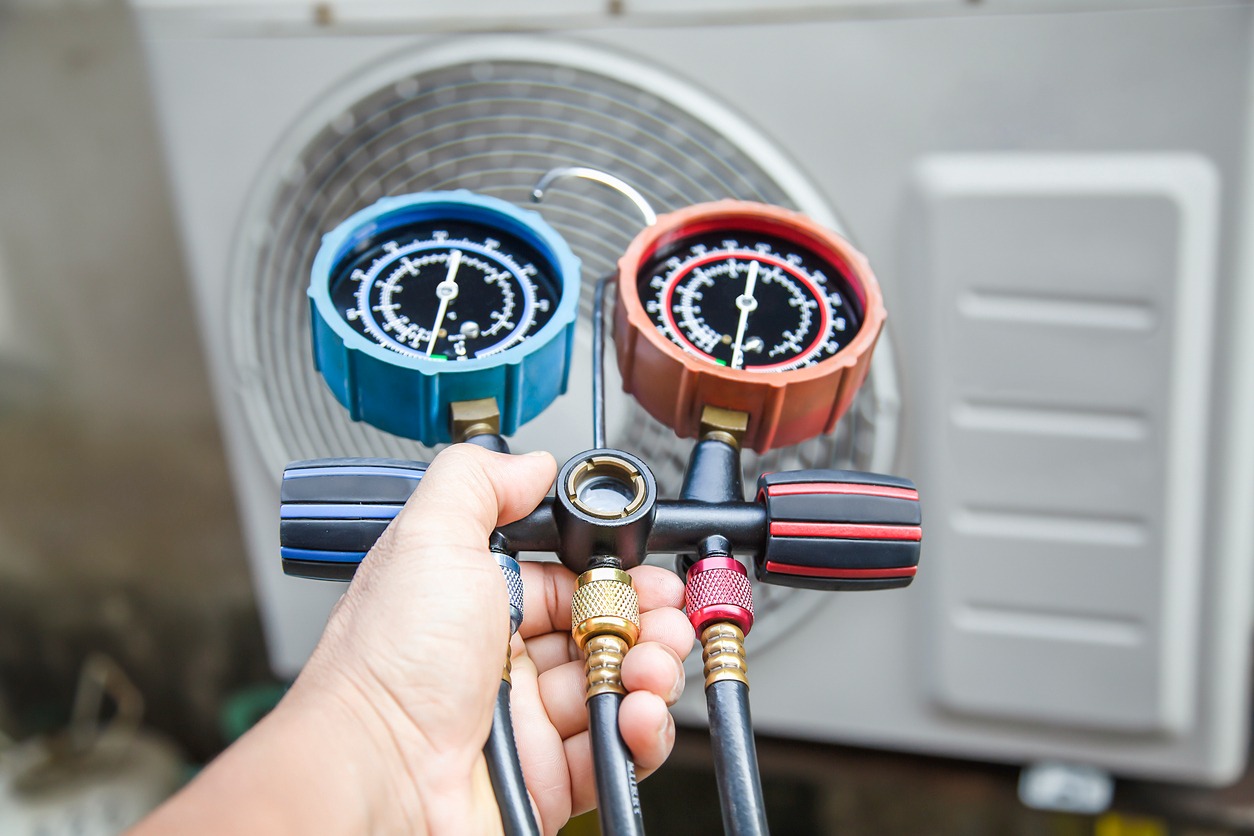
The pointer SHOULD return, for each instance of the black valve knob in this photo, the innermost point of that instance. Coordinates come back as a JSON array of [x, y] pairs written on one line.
[[333, 511], [839, 530]]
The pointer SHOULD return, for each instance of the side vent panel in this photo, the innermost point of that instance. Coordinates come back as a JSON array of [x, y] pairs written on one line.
[[1069, 303]]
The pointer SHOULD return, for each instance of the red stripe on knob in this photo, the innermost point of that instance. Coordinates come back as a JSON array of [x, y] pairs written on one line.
[[842, 488], [851, 574], [847, 531]]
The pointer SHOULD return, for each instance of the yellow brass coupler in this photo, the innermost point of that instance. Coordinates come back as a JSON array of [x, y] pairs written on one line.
[[605, 623], [723, 652]]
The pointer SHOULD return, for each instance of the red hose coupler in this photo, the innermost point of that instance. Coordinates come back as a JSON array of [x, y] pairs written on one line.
[[718, 590]]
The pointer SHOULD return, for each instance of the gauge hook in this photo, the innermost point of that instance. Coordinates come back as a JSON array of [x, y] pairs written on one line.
[[597, 176]]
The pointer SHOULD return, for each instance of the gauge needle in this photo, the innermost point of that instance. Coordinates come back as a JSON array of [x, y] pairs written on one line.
[[747, 304], [446, 291]]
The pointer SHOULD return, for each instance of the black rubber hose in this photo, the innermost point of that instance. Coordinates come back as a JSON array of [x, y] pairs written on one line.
[[505, 771], [490, 441], [735, 759], [618, 801]]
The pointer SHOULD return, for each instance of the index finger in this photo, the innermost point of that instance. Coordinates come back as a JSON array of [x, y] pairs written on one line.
[[548, 588]]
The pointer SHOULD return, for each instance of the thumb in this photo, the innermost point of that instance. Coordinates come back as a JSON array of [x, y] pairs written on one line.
[[466, 493], [435, 553]]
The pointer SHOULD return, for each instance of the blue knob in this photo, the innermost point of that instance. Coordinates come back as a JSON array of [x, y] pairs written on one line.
[[424, 300]]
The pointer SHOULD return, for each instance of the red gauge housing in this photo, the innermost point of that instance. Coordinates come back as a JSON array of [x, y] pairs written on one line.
[[787, 402]]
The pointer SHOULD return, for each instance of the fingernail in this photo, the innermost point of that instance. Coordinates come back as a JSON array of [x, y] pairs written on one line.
[[536, 454], [667, 733], [677, 689]]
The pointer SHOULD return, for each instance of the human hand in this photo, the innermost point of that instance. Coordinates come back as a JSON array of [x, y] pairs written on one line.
[[412, 657], [383, 731]]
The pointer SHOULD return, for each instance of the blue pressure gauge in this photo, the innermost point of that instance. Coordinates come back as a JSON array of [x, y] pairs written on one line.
[[425, 300]]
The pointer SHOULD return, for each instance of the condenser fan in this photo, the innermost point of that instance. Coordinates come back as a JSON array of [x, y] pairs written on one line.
[[493, 120]]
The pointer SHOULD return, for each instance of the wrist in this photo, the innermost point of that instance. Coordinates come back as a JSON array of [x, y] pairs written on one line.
[[310, 766], [354, 762]]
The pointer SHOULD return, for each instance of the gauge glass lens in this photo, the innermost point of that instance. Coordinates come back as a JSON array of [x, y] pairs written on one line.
[[751, 301], [445, 290]]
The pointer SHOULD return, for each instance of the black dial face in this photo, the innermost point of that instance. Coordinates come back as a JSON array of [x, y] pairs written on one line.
[[751, 301], [445, 290]]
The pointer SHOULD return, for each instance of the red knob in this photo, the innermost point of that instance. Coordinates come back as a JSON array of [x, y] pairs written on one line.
[[718, 590]]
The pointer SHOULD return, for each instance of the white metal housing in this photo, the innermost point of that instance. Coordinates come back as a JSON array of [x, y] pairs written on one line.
[[1056, 197]]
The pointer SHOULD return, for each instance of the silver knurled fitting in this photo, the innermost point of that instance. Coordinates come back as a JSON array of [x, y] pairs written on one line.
[[605, 623], [512, 573], [723, 652]]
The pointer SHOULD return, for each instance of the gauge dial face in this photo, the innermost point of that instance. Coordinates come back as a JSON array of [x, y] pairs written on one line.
[[749, 301], [445, 290]]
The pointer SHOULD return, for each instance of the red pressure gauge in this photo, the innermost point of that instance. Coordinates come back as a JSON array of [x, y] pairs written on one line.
[[748, 307]]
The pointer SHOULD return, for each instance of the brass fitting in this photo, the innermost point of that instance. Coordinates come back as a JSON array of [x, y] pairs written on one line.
[[472, 418], [723, 652], [509, 665], [607, 470], [605, 623], [726, 425], [603, 665]]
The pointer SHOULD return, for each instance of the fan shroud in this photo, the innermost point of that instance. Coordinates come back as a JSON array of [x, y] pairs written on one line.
[[493, 115]]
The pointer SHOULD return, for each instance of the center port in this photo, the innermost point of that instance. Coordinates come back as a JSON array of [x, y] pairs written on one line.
[[605, 496], [606, 486]]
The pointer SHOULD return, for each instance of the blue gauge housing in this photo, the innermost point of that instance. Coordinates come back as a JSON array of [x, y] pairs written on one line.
[[406, 393]]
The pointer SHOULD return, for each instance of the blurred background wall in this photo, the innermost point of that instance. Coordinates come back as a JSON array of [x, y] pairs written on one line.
[[117, 526], [118, 530]]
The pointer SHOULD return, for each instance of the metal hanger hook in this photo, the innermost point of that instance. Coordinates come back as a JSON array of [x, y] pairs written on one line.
[[597, 176]]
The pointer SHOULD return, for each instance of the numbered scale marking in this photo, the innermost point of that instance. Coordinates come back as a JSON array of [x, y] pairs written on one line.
[[446, 291], [764, 305], [425, 300]]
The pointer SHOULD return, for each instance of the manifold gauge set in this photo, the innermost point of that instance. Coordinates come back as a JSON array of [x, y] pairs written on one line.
[[450, 317]]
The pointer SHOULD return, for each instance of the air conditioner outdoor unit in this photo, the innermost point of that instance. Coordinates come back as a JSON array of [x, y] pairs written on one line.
[[1056, 197]]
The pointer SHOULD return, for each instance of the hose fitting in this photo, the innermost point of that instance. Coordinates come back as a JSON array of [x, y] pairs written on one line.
[[512, 573], [605, 623], [719, 601], [723, 652], [718, 590]]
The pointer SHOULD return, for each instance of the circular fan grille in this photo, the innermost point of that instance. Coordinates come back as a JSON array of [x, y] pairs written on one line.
[[493, 125]]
